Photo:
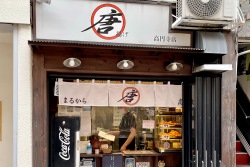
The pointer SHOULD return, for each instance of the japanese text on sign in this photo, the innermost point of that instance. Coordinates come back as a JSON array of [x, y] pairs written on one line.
[[71, 100], [162, 38]]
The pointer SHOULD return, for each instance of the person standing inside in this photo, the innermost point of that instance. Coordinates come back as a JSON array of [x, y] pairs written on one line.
[[127, 131]]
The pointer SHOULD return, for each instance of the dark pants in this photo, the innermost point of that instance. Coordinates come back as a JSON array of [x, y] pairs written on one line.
[[131, 146]]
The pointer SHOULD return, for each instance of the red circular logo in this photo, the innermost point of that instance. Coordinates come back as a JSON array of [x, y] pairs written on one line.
[[107, 17], [131, 96]]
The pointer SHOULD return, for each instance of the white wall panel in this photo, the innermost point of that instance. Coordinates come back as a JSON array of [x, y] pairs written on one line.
[[24, 65], [15, 11]]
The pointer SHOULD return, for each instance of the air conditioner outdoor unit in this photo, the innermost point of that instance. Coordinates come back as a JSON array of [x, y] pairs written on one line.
[[205, 13]]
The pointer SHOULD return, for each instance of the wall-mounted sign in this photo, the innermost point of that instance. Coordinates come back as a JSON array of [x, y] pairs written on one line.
[[107, 21], [112, 22]]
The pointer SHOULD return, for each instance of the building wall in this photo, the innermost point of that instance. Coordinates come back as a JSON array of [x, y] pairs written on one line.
[[15, 85], [6, 96], [16, 96], [24, 96], [15, 11], [245, 30]]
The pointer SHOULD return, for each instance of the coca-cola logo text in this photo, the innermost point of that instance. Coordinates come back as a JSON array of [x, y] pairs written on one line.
[[64, 137]]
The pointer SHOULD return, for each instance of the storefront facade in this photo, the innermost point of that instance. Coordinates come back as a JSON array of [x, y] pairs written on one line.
[[211, 94], [15, 67]]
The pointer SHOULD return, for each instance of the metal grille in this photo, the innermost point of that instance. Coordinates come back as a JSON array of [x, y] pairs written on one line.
[[179, 8], [202, 9], [207, 121]]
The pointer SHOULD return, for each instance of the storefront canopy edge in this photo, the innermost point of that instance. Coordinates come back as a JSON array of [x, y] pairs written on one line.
[[95, 45]]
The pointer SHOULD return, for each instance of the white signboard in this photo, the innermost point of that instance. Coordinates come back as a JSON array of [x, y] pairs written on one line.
[[112, 22]]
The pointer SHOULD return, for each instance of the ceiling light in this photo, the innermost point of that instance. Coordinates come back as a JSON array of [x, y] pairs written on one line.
[[125, 64], [72, 62], [175, 66]]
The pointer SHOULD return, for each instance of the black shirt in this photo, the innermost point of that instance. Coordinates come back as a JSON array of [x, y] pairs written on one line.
[[127, 122]]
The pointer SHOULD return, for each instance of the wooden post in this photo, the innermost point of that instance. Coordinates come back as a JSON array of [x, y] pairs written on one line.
[[40, 117], [228, 127]]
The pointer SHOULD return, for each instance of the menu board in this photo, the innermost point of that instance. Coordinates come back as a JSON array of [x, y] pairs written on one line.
[[148, 124], [118, 114]]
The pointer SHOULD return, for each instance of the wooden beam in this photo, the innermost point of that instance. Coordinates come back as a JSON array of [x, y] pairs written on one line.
[[228, 115]]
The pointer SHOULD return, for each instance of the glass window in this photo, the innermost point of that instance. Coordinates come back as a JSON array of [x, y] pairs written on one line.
[[110, 119]]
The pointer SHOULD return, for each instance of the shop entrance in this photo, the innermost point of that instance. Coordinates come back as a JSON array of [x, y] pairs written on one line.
[[165, 136], [100, 63]]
